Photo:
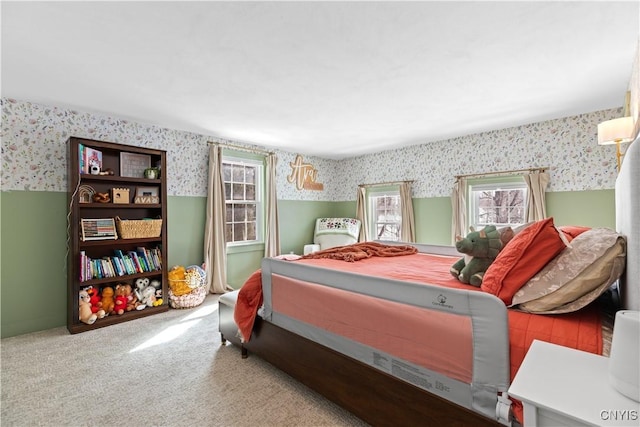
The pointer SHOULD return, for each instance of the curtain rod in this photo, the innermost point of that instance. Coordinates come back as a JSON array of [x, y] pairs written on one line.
[[240, 147], [385, 183], [501, 172]]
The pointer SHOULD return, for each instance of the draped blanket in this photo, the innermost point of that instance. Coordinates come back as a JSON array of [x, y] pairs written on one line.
[[358, 251]]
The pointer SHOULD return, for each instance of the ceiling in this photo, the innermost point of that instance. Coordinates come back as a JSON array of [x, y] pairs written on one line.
[[331, 79]]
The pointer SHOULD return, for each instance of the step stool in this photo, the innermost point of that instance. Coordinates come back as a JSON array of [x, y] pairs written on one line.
[[226, 325]]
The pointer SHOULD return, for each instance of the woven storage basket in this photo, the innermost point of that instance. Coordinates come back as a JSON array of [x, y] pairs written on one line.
[[138, 228], [192, 299], [186, 286]]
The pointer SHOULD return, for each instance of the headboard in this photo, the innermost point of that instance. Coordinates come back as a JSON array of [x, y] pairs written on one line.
[[628, 223]]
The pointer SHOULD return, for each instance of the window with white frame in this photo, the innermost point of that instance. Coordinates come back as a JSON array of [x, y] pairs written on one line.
[[501, 203], [385, 215], [243, 194]]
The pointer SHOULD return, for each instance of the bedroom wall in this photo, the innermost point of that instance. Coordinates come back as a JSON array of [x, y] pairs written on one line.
[[33, 267]]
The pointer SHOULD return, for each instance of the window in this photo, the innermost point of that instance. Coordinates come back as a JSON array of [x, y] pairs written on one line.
[[385, 214], [501, 203], [243, 189]]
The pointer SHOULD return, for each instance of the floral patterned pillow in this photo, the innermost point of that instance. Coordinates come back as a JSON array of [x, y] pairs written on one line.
[[577, 276]]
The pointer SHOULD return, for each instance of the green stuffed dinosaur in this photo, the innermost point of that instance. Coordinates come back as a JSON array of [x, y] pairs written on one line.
[[480, 249]]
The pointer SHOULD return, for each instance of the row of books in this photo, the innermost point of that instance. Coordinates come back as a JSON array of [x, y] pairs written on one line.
[[139, 261]]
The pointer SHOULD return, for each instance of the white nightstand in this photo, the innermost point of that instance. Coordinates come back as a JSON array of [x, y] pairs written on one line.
[[560, 386]]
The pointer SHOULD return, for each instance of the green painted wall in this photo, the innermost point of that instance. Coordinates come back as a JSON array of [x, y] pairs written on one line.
[[587, 208], [33, 245], [34, 268], [187, 216], [433, 220]]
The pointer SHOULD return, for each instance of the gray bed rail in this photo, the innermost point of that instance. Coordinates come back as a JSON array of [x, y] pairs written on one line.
[[488, 314]]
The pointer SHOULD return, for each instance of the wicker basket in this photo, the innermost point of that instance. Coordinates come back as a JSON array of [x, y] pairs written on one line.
[[190, 300], [138, 228], [186, 286]]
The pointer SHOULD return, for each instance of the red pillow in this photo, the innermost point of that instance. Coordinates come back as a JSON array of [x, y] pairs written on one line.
[[522, 258], [573, 231]]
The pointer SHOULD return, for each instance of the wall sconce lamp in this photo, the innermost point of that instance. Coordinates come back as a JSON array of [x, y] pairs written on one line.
[[616, 131]]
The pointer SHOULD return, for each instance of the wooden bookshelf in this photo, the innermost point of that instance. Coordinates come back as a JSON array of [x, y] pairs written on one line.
[[97, 249]]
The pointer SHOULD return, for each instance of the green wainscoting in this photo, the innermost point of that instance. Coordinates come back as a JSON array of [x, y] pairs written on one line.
[[34, 267], [187, 216], [433, 220], [587, 208], [33, 228]]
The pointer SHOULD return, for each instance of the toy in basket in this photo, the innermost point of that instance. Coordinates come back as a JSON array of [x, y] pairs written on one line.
[[186, 286]]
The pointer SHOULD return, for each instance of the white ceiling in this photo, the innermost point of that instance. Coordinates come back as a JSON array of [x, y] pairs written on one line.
[[332, 79]]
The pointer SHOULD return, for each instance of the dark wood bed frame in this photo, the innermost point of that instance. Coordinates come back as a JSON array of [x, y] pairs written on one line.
[[373, 396]]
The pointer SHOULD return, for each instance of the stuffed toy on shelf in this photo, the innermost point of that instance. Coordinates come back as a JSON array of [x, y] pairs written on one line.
[[120, 300], [84, 308], [96, 301], [107, 300]]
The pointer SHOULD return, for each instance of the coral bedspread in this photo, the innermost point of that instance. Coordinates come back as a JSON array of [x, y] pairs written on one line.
[[581, 330]]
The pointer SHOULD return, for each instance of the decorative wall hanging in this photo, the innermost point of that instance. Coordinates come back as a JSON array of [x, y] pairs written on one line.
[[304, 175]]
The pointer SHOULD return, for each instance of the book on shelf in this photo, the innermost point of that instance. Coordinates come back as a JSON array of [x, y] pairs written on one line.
[[88, 156]]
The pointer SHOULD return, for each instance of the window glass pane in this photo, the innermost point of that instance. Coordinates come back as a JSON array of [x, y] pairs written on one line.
[[239, 212], [251, 212], [228, 232], [226, 172], [227, 191], [250, 175], [238, 232], [251, 231], [229, 212], [238, 191], [250, 192], [238, 173]]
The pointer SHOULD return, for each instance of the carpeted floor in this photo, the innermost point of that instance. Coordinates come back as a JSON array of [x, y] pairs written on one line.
[[164, 370]]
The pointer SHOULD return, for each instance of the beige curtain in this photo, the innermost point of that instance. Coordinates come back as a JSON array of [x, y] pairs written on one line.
[[536, 202], [408, 226], [272, 235], [215, 246], [361, 213], [459, 208]]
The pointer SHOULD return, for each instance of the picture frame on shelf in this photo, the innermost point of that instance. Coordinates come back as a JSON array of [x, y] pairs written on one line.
[[133, 165], [147, 195]]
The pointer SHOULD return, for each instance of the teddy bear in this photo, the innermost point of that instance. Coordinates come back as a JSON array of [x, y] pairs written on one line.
[[84, 308], [96, 302], [480, 249], [120, 300], [132, 300], [108, 303]]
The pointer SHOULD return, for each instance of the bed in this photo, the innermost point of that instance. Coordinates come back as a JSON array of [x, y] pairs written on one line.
[[365, 360]]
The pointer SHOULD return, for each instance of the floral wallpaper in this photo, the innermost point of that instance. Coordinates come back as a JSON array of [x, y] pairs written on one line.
[[568, 146], [34, 155]]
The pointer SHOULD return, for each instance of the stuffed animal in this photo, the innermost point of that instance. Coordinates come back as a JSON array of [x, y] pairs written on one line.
[[84, 308], [132, 300], [96, 301], [120, 300], [147, 296], [143, 291], [108, 303], [480, 249]]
